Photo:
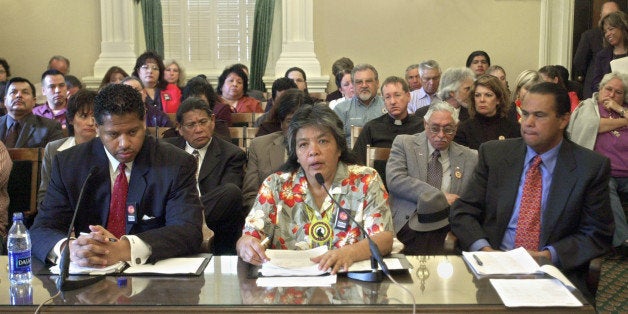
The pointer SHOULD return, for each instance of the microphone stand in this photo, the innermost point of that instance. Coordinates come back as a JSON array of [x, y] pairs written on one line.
[[63, 283], [374, 275]]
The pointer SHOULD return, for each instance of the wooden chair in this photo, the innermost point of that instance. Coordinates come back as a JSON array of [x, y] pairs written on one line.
[[242, 119], [237, 135], [376, 153], [256, 116], [355, 132], [157, 132], [173, 118], [249, 135], [24, 181]]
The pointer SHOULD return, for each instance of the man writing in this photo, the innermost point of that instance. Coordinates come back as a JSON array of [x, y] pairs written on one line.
[[541, 192], [141, 203]]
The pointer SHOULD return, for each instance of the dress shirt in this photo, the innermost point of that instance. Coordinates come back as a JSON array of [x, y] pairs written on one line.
[[45, 111], [354, 112], [419, 98]]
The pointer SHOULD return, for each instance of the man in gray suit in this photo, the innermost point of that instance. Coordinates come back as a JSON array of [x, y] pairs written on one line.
[[572, 217], [19, 128], [425, 174]]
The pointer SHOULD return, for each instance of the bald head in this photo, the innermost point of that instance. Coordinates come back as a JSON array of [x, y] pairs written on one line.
[[608, 8]]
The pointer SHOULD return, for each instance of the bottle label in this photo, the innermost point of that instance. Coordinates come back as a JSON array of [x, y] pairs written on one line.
[[19, 262]]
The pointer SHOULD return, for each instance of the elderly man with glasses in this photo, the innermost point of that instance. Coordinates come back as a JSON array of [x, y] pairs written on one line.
[[426, 172]]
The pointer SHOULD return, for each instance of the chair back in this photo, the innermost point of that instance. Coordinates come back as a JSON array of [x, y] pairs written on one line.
[[242, 119], [377, 157], [24, 181], [355, 133], [157, 132]]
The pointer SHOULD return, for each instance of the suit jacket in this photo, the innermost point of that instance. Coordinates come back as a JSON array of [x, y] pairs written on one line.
[[267, 154], [52, 149], [577, 221], [162, 186], [406, 173], [36, 131], [223, 163]]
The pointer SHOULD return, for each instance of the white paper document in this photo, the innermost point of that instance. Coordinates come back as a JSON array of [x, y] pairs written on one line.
[[75, 269], [310, 281], [513, 262], [534, 293], [170, 266]]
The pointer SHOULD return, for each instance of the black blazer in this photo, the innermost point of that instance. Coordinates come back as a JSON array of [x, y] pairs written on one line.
[[36, 131], [577, 221], [162, 186], [223, 163]]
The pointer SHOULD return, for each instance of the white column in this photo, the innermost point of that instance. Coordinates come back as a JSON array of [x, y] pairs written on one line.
[[117, 46], [556, 32], [297, 47]]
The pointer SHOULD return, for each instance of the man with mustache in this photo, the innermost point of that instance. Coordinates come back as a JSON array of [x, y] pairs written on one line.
[[54, 88], [366, 105], [20, 128], [426, 173]]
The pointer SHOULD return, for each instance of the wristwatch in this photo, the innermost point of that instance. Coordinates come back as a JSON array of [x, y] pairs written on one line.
[[622, 113]]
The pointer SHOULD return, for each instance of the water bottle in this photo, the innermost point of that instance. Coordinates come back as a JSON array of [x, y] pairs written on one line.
[[19, 247], [21, 294]]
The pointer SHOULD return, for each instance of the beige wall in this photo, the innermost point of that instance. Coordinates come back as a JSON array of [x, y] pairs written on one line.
[[390, 34], [393, 34], [34, 30]]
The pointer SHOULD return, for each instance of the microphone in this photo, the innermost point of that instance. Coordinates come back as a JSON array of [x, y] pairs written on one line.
[[63, 284], [376, 255]]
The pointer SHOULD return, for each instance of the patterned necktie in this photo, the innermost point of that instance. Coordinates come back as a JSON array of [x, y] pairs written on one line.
[[197, 155], [529, 223], [116, 222], [435, 170], [12, 134]]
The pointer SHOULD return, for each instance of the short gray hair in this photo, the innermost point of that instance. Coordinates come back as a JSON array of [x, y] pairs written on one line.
[[439, 105], [427, 65], [622, 77], [363, 67], [412, 67], [451, 80]]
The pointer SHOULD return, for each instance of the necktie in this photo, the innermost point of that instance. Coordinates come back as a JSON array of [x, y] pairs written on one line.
[[116, 222], [529, 223], [197, 155], [435, 170], [12, 134]]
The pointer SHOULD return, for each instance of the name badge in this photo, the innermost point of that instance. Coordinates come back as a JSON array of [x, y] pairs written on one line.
[[342, 220], [131, 213]]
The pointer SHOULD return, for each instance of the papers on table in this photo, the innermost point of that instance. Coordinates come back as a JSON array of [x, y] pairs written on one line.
[[514, 262], [292, 263], [534, 293], [171, 266]]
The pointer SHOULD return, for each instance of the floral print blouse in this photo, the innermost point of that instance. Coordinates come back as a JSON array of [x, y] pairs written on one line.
[[285, 210]]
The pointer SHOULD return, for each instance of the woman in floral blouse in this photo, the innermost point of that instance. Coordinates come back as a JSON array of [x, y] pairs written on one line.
[[294, 212]]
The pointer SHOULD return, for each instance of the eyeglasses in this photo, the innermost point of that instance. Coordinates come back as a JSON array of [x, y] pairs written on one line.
[[147, 67], [448, 129], [192, 125]]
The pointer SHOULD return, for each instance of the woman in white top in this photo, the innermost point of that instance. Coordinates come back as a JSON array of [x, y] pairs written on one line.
[[81, 128], [345, 86]]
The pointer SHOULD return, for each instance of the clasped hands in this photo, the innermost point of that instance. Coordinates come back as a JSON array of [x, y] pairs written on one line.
[[252, 251], [99, 248]]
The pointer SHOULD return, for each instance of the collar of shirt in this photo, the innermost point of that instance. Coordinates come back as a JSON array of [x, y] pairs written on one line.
[[113, 168], [394, 121], [10, 121], [444, 154], [548, 158], [201, 151]]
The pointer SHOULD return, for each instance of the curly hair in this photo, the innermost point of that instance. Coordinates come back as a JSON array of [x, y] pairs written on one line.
[[118, 99]]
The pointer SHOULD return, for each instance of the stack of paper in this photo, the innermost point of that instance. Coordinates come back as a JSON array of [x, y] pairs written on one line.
[[170, 266], [292, 263], [514, 262], [534, 293]]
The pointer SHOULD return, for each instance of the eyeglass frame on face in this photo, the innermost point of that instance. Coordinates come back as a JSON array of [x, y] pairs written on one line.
[[436, 129], [192, 126], [146, 67]]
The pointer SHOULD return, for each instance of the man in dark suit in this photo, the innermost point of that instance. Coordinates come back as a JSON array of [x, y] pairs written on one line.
[[573, 224], [20, 128], [219, 175], [154, 214]]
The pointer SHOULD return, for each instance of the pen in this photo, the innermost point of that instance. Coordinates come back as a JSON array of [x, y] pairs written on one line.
[[477, 259], [108, 239]]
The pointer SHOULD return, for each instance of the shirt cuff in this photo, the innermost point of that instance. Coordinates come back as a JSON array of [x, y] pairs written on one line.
[[55, 253], [555, 259], [478, 245], [140, 251]]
